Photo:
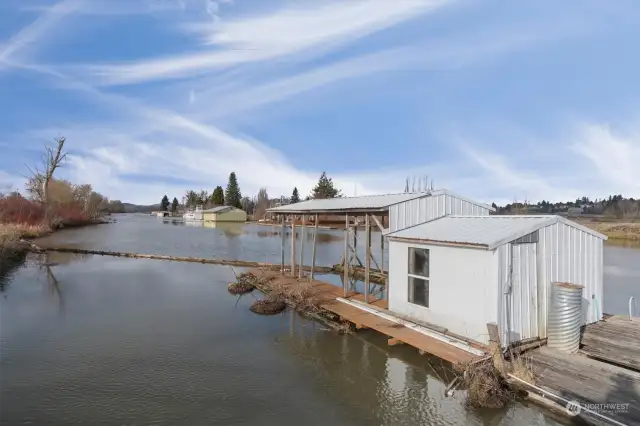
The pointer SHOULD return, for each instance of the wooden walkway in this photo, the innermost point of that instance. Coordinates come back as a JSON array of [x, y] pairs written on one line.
[[605, 371], [397, 333], [615, 340], [587, 381]]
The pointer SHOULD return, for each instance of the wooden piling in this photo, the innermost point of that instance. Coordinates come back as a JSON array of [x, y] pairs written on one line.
[[345, 279], [367, 249], [282, 243], [313, 252], [302, 241], [293, 246]]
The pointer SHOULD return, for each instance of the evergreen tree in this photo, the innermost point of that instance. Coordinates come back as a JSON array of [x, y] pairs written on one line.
[[174, 205], [295, 197], [325, 189], [218, 196], [233, 195], [164, 204]]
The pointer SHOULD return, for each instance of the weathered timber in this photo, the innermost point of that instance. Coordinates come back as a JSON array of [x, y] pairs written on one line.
[[357, 272], [615, 340], [394, 342], [588, 381], [203, 260]]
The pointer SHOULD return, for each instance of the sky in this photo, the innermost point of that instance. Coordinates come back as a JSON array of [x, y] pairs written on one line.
[[499, 101]]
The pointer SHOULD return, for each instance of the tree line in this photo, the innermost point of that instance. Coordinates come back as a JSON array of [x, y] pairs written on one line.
[[614, 206], [256, 205]]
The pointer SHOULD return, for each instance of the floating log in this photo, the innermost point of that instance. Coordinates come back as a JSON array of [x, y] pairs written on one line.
[[336, 269]]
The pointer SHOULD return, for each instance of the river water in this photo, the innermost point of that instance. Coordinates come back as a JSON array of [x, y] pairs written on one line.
[[100, 340]]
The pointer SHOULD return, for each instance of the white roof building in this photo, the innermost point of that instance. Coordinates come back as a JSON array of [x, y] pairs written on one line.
[[462, 272]]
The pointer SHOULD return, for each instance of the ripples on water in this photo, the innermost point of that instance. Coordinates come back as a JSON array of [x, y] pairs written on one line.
[[99, 340]]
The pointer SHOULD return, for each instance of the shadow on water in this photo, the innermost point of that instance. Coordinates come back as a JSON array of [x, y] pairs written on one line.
[[10, 261]]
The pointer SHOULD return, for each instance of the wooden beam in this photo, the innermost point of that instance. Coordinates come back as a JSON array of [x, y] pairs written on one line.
[[367, 249], [495, 346], [377, 221], [345, 268], [361, 327], [313, 252], [494, 333], [282, 242], [302, 238], [393, 341], [355, 255], [293, 246]]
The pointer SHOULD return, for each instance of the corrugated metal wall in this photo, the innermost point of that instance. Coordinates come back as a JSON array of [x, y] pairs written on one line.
[[521, 305], [574, 256], [563, 253], [421, 210]]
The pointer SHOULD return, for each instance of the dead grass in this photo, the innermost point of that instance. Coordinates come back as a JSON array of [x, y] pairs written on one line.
[[616, 230], [485, 386], [11, 233], [522, 368]]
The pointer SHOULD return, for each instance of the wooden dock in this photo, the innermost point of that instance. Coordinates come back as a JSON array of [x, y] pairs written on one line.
[[603, 372], [397, 333], [615, 340]]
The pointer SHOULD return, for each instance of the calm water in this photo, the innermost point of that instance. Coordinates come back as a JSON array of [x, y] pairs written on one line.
[[99, 340]]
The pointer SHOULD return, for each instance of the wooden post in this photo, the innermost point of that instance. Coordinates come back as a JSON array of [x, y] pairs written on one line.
[[495, 346], [302, 238], [345, 269], [313, 251], [367, 249], [293, 246], [282, 248], [386, 287]]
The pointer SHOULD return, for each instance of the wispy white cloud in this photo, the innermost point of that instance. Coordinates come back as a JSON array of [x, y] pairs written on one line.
[[31, 34], [614, 158], [283, 32]]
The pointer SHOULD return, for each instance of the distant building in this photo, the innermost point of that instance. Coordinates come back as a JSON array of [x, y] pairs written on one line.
[[224, 214], [194, 215]]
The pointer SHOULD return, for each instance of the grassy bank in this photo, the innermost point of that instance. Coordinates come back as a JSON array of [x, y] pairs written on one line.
[[23, 218], [616, 230]]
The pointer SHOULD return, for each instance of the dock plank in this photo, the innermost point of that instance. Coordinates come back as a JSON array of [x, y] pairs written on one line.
[[577, 377], [615, 340], [327, 294]]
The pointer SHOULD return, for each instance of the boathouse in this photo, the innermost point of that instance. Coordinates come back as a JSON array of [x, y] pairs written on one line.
[[362, 213], [463, 272], [224, 214]]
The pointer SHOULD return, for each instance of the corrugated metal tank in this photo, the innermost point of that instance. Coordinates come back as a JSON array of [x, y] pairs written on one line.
[[565, 317], [421, 210]]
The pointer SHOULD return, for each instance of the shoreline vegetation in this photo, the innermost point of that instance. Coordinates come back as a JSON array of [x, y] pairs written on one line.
[[49, 204]]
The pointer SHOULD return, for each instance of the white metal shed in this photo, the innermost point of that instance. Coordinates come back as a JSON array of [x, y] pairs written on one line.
[[462, 272]]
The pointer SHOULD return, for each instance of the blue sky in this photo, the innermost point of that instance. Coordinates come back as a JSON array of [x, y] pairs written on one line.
[[496, 100]]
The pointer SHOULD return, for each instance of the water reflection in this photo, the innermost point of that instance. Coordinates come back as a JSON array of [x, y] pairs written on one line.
[[230, 229], [10, 261]]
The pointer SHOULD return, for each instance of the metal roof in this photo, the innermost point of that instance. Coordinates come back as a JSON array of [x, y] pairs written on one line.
[[367, 203], [217, 209], [483, 231]]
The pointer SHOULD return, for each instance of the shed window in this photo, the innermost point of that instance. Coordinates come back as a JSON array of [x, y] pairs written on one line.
[[419, 276]]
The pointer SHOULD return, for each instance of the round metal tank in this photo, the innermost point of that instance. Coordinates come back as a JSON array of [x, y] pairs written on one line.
[[565, 317]]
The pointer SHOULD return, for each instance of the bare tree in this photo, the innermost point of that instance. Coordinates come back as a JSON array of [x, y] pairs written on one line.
[[261, 204], [38, 183]]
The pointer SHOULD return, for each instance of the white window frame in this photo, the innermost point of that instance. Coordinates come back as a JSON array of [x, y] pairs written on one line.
[[419, 277]]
